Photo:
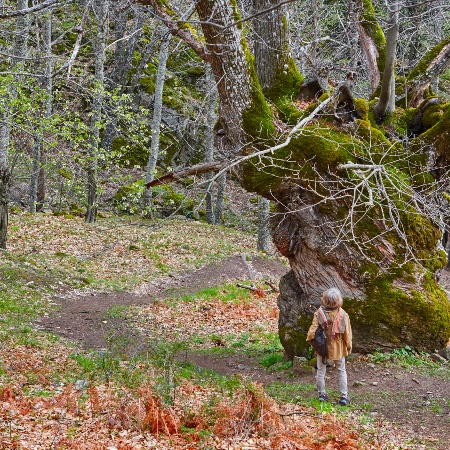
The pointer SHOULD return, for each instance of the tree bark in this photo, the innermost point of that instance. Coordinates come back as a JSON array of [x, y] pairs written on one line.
[[270, 39], [156, 120], [386, 103], [220, 198], [263, 243], [101, 13], [209, 141], [231, 68], [18, 51]]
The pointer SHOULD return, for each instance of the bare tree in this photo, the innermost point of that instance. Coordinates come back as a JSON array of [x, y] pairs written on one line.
[[19, 50], [166, 39], [101, 12]]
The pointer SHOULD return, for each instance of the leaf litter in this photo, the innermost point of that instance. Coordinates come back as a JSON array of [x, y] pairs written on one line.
[[43, 406]]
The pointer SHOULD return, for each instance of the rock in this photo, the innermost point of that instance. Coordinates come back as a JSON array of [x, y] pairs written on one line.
[[375, 383], [445, 353], [359, 383], [300, 365]]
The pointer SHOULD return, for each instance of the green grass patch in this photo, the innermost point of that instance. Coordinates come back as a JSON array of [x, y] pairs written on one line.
[[226, 293]]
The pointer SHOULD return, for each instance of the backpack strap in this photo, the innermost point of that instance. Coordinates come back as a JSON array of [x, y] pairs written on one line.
[[322, 317]]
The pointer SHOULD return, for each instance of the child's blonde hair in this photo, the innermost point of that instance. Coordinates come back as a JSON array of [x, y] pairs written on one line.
[[332, 299]]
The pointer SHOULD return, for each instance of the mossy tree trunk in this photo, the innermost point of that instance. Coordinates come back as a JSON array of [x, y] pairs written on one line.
[[430, 66], [340, 222], [373, 41]]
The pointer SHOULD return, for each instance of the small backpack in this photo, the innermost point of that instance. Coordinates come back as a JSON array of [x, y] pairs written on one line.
[[319, 343]]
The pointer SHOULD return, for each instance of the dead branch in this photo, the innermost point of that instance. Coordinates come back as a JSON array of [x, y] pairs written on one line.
[[272, 286], [210, 166], [303, 413], [32, 9]]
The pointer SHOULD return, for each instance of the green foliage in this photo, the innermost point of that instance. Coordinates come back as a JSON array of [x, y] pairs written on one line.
[[404, 356], [169, 201], [275, 361]]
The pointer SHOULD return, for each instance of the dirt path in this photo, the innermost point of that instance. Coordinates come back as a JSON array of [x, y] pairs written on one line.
[[81, 317], [418, 404]]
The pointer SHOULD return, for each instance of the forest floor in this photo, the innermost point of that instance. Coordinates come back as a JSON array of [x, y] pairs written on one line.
[[413, 400], [129, 335]]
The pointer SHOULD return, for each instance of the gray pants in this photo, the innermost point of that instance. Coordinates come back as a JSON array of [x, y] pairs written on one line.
[[342, 376]]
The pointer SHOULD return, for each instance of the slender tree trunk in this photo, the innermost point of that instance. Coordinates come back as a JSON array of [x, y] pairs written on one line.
[[386, 103], [19, 51], [157, 114], [101, 12], [37, 181], [220, 198], [35, 174], [263, 224], [209, 141]]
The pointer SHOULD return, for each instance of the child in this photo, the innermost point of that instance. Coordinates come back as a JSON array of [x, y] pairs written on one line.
[[339, 341]]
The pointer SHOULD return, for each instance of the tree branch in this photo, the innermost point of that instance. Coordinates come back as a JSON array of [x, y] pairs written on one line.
[[210, 166], [259, 13], [32, 9], [223, 166], [175, 28]]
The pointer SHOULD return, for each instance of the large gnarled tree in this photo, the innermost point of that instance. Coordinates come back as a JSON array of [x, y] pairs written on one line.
[[356, 207]]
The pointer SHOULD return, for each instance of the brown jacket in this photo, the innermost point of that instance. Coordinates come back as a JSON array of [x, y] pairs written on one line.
[[342, 345]]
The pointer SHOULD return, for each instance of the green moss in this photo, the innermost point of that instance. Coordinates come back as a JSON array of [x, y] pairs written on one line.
[[126, 154], [293, 338], [424, 63], [388, 314], [257, 119], [286, 85], [405, 118], [362, 108], [370, 24], [437, 136], [323, 148], [433, 114]]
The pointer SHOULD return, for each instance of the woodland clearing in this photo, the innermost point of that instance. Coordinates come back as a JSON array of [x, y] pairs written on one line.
[[172, 354]]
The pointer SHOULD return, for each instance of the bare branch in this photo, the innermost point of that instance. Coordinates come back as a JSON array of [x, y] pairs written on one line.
[[176, 28], [33, 9], [213, 166], [224, 166], [259, 13], [79, 39]]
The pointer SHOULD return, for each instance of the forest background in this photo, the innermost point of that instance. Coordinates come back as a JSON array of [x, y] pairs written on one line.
[[332, 115]]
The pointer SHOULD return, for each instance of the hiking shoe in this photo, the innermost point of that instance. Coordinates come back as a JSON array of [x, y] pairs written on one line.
[[344, 401], [323, 398]]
